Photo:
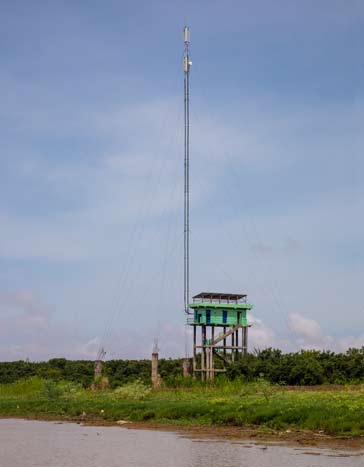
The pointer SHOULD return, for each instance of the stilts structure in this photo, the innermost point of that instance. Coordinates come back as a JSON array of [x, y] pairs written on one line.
[[210, 312], [222, 319]]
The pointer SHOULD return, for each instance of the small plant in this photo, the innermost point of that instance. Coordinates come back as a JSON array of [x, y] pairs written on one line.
[[51, 390], [264, 387], [71, 388], [260, 386], [136, 391]]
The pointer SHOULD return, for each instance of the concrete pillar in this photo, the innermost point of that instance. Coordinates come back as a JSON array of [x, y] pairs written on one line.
[[212, 373], [194, 352], [203, 353], [237, 343], [98, 369], [245, 339], [186, 367], [232, 345], [156, 379], [224, 331]]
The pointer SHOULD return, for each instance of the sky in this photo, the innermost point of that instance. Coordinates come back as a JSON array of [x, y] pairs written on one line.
[[91, 172]]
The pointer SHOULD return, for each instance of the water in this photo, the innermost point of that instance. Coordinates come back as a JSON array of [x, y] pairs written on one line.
[[46, 444]]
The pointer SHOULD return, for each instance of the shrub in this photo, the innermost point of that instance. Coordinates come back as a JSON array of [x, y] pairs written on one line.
[[51, 390], [135, 391]]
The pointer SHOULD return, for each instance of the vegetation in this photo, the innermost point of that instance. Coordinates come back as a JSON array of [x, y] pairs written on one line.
[[263, 389], [300, 368], [190, 402], [118, 372]]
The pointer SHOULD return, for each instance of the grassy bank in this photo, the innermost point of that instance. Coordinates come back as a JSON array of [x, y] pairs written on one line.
[[335, 412]]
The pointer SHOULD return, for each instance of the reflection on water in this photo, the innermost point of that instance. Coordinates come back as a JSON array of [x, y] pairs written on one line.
[[45, 444]]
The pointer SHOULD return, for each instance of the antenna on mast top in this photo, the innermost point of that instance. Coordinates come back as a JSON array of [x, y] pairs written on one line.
[[186, 34], [186, 68]]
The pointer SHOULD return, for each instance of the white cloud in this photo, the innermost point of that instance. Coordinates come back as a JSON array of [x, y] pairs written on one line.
[[309, 335], [260, 336], [305, 327], [28, 330]]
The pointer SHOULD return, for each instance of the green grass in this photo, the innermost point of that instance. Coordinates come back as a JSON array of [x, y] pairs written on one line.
[[339, 412]]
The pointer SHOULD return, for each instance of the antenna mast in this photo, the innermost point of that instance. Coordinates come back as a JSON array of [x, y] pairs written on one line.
[[186, 67]]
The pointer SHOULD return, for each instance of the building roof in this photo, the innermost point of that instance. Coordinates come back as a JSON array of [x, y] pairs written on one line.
[[225, 306], [219, 296]]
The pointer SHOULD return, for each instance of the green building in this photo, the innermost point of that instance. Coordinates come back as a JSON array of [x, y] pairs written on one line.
[[220, 312], [211, 311]]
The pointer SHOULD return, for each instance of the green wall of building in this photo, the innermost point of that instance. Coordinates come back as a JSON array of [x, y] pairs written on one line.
[[237, 316]]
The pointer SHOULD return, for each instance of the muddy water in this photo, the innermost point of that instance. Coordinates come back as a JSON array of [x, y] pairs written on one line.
[[46, 444]]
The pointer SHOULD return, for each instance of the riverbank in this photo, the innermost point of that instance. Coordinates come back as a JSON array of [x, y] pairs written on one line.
[[252, 433], [254, 411]]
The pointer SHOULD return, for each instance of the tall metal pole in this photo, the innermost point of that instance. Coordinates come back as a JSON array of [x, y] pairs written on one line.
[[186, 68]]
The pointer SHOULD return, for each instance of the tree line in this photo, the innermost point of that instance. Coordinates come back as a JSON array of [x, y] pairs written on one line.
[[299, 368]]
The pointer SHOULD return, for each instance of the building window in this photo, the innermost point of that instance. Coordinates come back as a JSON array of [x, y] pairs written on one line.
[[224, 316], [208, 316]]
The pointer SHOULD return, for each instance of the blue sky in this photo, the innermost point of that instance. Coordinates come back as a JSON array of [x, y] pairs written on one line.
[[91, 172]]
